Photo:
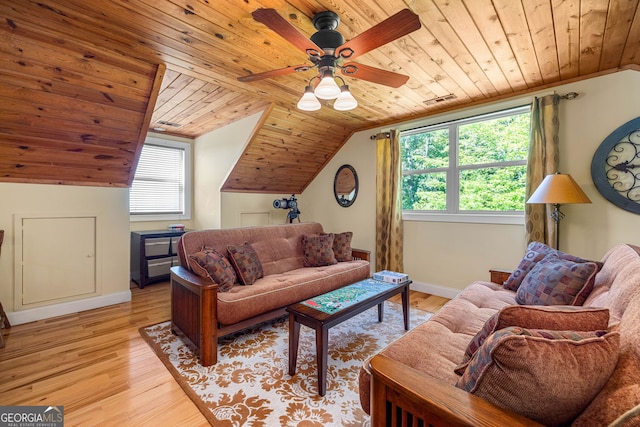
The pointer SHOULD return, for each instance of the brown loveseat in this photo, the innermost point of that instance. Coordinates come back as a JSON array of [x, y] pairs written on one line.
[[201, 312], [413, 378]]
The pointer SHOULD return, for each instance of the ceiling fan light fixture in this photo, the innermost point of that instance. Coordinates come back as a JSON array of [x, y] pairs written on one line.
[[309, 102], [345, 100], [327, 88]]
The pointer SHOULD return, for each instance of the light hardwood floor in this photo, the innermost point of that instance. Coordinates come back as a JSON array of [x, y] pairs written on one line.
[[98, 367]]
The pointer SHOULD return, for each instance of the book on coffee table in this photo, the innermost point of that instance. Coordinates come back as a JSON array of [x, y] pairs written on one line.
[[391, 276]]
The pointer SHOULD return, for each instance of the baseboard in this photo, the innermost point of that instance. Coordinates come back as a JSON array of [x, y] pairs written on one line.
[[46, 312], [441, 291]]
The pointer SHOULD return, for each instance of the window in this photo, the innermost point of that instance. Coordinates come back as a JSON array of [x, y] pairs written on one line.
[[160, 189], [474, 166]]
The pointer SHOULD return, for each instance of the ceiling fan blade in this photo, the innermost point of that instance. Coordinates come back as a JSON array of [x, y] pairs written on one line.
[[374, 75], [394, 27], [274, 73], [272, 19]]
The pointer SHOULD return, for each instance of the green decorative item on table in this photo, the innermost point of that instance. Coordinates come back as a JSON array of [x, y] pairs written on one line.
[[342, 298]]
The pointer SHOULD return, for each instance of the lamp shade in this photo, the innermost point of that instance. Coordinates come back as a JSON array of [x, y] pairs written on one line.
[[558, 189], [309, 102], [327, 88], [345, 101]]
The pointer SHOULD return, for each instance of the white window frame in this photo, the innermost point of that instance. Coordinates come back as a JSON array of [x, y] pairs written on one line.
[[453, 173], [186, 215]]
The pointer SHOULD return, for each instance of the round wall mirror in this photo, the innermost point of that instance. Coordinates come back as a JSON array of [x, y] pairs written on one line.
[[345, 185]]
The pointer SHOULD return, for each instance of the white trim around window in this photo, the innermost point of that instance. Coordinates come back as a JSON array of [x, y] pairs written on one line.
[[453, 214], [515, 218]]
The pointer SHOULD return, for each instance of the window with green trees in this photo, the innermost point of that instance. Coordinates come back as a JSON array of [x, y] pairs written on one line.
[[477, 164]]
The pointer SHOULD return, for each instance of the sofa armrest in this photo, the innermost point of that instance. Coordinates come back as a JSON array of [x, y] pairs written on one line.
[[194, 313], [499, 276], [189, 279], [361, 254], [401, 395]]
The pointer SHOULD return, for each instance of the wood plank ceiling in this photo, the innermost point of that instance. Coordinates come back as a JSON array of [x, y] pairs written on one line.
[[81, 81]]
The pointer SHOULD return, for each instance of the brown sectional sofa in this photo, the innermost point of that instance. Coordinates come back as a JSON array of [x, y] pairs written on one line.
[[413, 378], [200, 313]]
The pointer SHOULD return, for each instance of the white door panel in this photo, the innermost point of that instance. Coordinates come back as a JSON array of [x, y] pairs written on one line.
[[58, 259]]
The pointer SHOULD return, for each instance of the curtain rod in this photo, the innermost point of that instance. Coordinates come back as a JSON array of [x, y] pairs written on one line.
[[381, 135], [569, 96]]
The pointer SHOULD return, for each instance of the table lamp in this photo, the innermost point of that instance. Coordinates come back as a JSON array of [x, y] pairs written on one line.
[[558, 189]]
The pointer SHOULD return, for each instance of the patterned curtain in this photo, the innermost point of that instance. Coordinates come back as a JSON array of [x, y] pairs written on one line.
[[389, 235], [543, 160]]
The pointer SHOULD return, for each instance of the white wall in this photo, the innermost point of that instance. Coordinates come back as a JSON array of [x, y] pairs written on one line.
[[605, 103], [318, 202], [112, 207], [444, 257], [238, 209], [215, 154]]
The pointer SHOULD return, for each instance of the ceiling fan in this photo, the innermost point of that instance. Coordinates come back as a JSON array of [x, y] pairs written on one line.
[[327, 49]]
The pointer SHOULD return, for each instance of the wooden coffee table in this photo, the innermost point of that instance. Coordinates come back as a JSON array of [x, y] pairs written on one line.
[[328, 310]]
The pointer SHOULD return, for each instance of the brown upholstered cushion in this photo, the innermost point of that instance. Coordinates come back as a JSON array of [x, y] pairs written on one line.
[[318, 250], [280, 290], [536, 251], [547, 376], [555, 318], [209, 264], [246, 263], [621, 394], [342, 246], [556, 281]]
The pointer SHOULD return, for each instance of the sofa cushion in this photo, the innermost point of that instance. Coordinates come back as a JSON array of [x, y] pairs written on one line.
[[208, 263], [246, 263], [618, 282], [547, 376], [318, 250], [554, 318], [437, 346], [279, 290], [536, 251], [342, 246], [622, 391], [278, 246], [556, 281]]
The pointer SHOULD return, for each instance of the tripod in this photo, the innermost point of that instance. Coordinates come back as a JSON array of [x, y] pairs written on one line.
[[293, 214]]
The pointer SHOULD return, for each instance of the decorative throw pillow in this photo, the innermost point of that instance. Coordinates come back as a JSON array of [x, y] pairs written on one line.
[[547, 376], [342, 246], [556, 318], [536, 251], [318, 250], [246, 263], [555, 281], [209, 264]]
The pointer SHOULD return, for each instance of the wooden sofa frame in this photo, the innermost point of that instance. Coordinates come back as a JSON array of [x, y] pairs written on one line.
[[403, 396], [194, 312]]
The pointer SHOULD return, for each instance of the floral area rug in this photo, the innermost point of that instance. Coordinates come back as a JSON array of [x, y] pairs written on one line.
[[250, 384]]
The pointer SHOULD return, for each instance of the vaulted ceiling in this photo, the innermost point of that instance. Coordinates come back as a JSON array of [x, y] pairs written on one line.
[[81, 81]]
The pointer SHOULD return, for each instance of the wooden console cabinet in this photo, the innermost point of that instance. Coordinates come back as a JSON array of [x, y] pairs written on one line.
[[153, 253]]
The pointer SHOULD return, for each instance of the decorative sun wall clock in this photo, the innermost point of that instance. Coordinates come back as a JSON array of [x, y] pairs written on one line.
[[615, 168]]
